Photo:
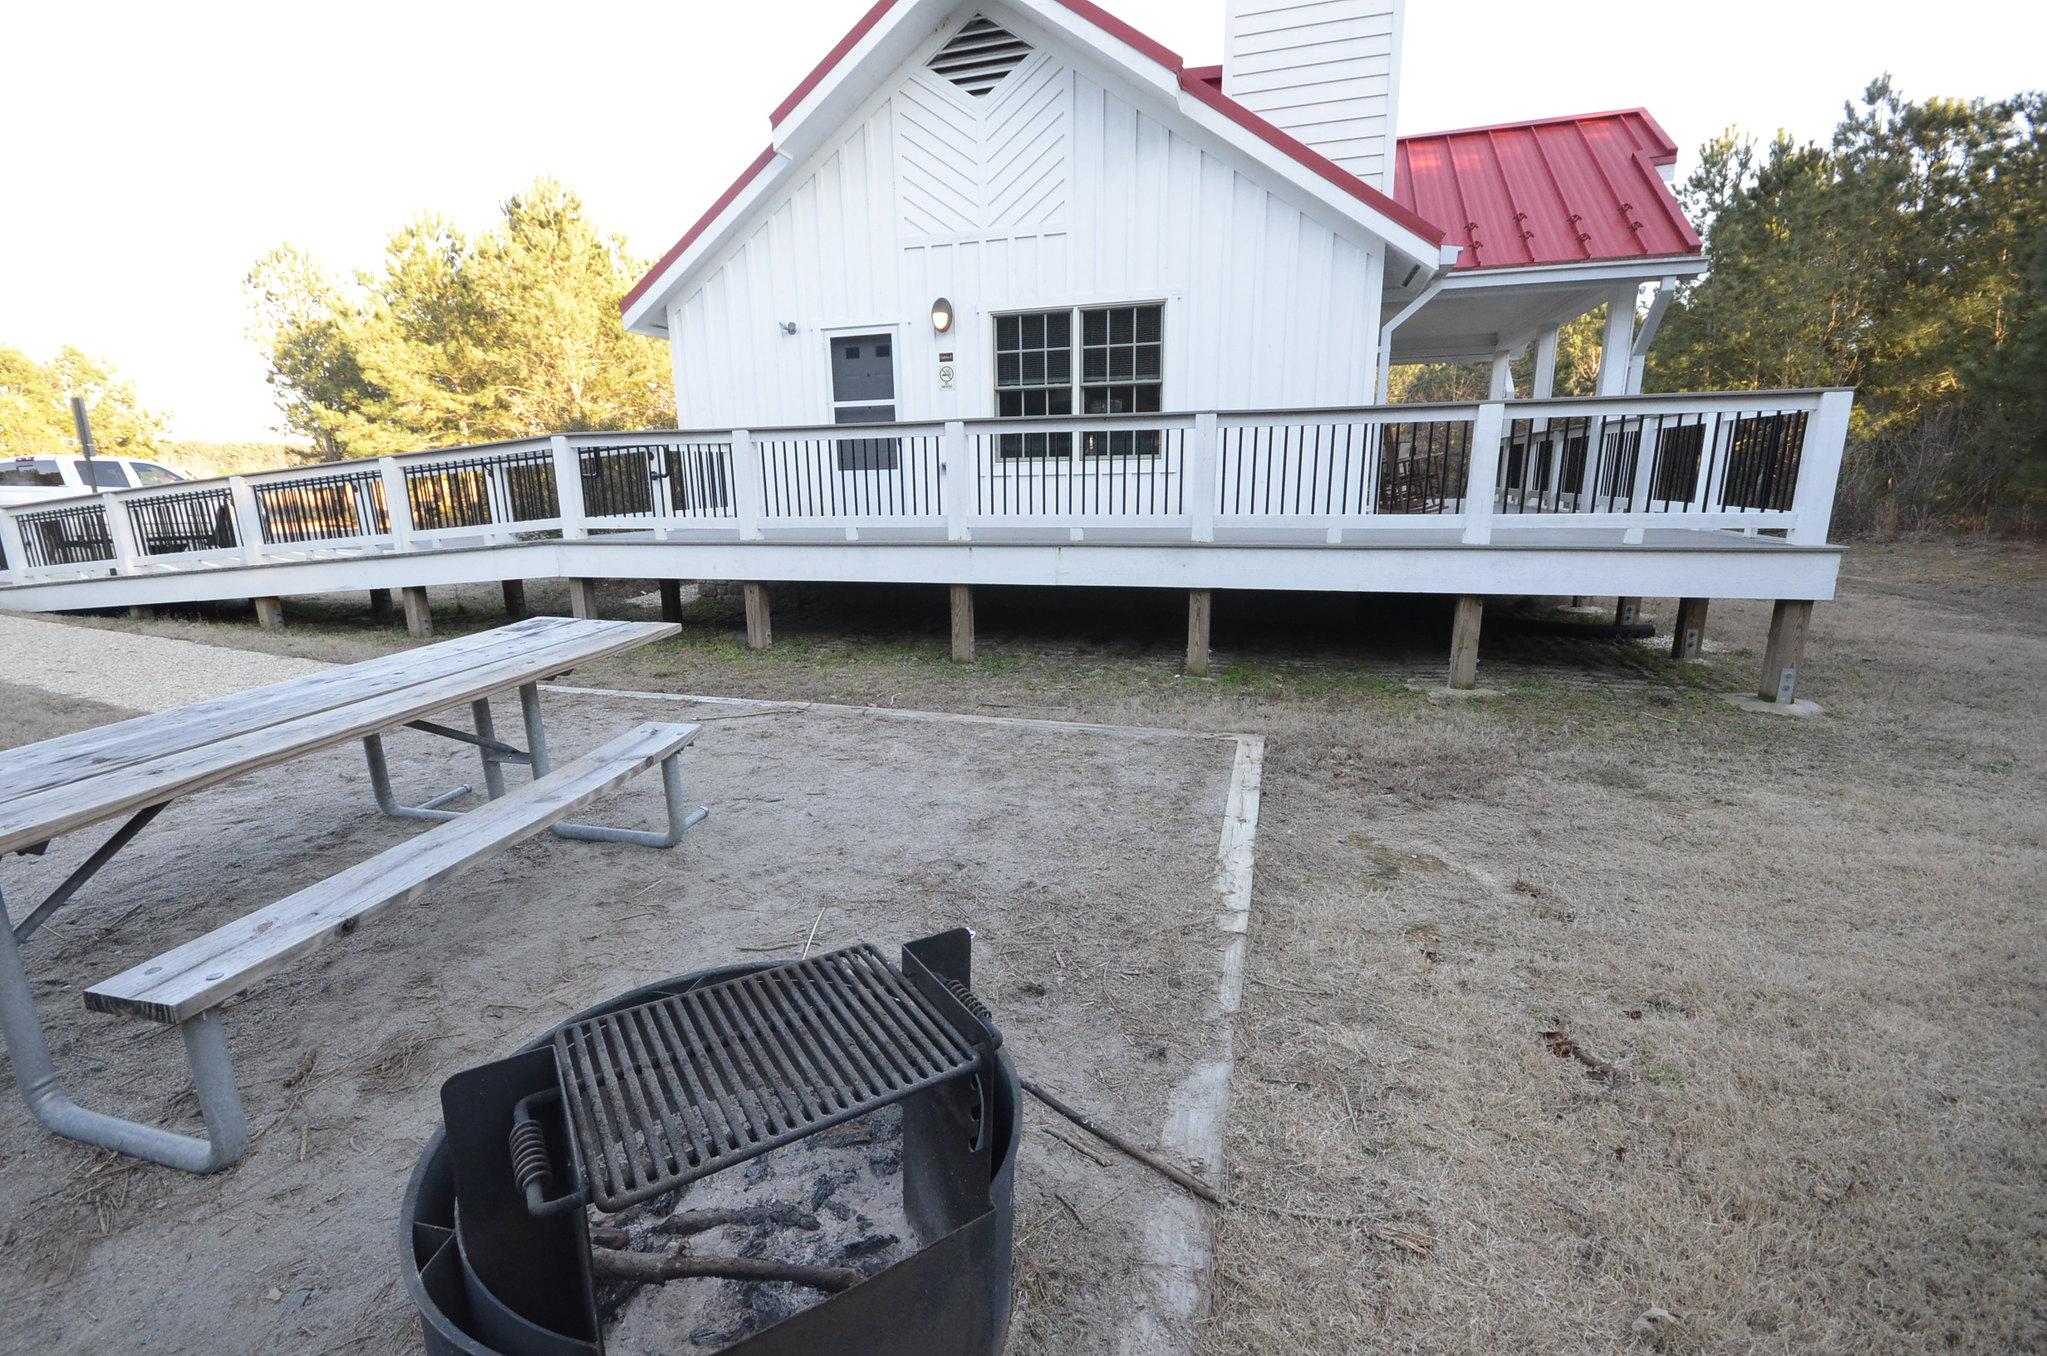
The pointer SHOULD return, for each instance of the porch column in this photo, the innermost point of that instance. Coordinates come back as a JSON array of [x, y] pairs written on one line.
[[1688, 636], [1200, 609], [760, 626], [419, 617], [380, 605], [1785, 652], [1616, 355], [270, 613], [1627, 611], [1502, 387], [1659, 306], [1543, 386], [1617, 351], [515, 597], [583, 599], [1464, 629], [671, 600], [962, 624]]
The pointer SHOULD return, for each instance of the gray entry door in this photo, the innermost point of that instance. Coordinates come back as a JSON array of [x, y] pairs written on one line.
[[864, 392]]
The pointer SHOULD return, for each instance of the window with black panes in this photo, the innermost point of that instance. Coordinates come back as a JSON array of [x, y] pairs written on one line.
[[1121, 370]]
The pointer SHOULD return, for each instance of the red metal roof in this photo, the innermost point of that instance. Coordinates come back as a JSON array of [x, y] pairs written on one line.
[[1551, 191], [1555, 191]]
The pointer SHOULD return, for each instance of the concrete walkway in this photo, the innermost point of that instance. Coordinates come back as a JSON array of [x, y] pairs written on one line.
[[141, 673]]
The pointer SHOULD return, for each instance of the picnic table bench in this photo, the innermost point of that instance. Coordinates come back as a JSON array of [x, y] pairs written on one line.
[[137, 767]]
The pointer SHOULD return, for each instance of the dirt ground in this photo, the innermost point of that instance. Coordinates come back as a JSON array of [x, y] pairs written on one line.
[[892, 829], [1601, 1017]]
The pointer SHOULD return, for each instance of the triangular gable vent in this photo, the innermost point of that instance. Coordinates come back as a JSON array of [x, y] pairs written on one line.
[[979, 56]]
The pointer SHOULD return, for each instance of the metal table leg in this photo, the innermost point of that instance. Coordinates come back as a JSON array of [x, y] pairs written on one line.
[[496, 754], [679, 820], [213, 1076], [380, 784], [493, 764], [536, 731]]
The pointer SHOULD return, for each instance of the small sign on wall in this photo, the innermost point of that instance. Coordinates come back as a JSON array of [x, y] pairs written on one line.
[[946, 372]]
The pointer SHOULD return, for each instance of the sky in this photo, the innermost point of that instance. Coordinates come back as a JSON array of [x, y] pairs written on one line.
[[155, 151]]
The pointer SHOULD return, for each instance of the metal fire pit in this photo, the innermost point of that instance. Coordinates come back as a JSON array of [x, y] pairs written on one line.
[[677, 1080]]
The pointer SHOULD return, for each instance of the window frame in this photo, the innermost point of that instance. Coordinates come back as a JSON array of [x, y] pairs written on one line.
[[92, 473], [144, 473], [1077, 385], [35, 466]]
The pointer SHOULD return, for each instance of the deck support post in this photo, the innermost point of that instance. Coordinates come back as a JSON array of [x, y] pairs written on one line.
[[269, 613], [568, 484], [419, 617], [1627, 611], [121, 532], [1464, 629], [958, 496], [1688, 636], [1785, 653], [515, 597], [671, 600], [13, 550], [1200, 613], [760, 625], [397, 502], [380, 605], [1481, 488], [141, 613], [583, 599], [1203, 466], [247, 519], [962, 624]]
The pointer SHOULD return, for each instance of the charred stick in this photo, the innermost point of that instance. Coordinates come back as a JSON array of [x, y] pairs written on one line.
[[1116, 1141], [652, 1269], [686, 1222]]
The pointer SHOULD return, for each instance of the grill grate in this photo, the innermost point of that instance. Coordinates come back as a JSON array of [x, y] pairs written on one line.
[[672, 1090]]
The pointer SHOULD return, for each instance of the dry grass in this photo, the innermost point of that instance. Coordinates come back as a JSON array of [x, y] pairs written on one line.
[[1803, 958]]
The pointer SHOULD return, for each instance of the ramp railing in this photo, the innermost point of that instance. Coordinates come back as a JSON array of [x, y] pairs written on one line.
[[1747, 462]]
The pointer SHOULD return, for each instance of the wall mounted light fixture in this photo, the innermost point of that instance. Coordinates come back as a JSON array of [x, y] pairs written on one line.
[[787, 326], [941, 315]]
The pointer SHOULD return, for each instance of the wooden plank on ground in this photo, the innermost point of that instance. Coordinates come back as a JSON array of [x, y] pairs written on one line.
[[89, 753], [202, 973], [57, 810]]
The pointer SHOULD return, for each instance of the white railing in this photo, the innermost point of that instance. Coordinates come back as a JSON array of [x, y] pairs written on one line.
[[1747, 461]]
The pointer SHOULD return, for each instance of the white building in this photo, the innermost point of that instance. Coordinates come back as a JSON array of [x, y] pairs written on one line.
[[1017, 296], [1251, 226]]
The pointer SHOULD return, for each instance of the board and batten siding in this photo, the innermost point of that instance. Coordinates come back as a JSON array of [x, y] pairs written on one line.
[[1052, 190], [1324, 71]]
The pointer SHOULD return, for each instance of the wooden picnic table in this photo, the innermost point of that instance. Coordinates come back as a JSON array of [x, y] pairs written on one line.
[[137, 767], [62, 785]]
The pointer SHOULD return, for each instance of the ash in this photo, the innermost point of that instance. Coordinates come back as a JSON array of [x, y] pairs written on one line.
[[848, 1179]]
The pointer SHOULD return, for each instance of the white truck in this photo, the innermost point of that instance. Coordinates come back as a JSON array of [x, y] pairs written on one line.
[[67, 536], [24, 480]]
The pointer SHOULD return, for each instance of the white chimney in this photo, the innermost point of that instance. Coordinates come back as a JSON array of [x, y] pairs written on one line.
[[1326, 72]]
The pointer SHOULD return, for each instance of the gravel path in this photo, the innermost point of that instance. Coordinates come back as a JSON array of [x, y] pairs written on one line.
[[141, 673]]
